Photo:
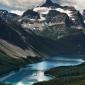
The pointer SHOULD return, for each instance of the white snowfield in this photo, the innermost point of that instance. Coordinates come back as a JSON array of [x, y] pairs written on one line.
[[42, 10], [69, 13], [45, 10]]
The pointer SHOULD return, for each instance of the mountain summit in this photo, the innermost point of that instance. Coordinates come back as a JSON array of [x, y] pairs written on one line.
[[49, 3]]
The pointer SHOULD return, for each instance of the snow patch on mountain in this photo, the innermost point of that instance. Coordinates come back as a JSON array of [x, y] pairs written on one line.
[[45, 10], [69, 13], [42, 10], [17, 12], [42, 18]]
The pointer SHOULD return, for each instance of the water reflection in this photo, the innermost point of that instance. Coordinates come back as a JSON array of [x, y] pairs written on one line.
[[40, 76], [55, 62], [35, 77]]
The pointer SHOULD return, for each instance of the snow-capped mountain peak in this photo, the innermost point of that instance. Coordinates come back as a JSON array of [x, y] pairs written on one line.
[[52, 14]]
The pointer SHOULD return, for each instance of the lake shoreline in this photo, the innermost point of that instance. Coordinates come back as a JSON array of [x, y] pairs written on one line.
[[68, 60], [19, 68], [66, 75]]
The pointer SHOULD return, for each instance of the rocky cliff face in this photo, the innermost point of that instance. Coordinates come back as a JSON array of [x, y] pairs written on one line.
[[59, 18], [56, 22], [84, 15], [31, 14]]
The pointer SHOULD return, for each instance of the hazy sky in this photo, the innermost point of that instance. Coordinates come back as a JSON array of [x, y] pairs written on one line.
[[18, 6], [78, 4]]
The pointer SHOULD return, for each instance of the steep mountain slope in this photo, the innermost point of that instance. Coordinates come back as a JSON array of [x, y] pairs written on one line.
[[31, 14], [15, 51]]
